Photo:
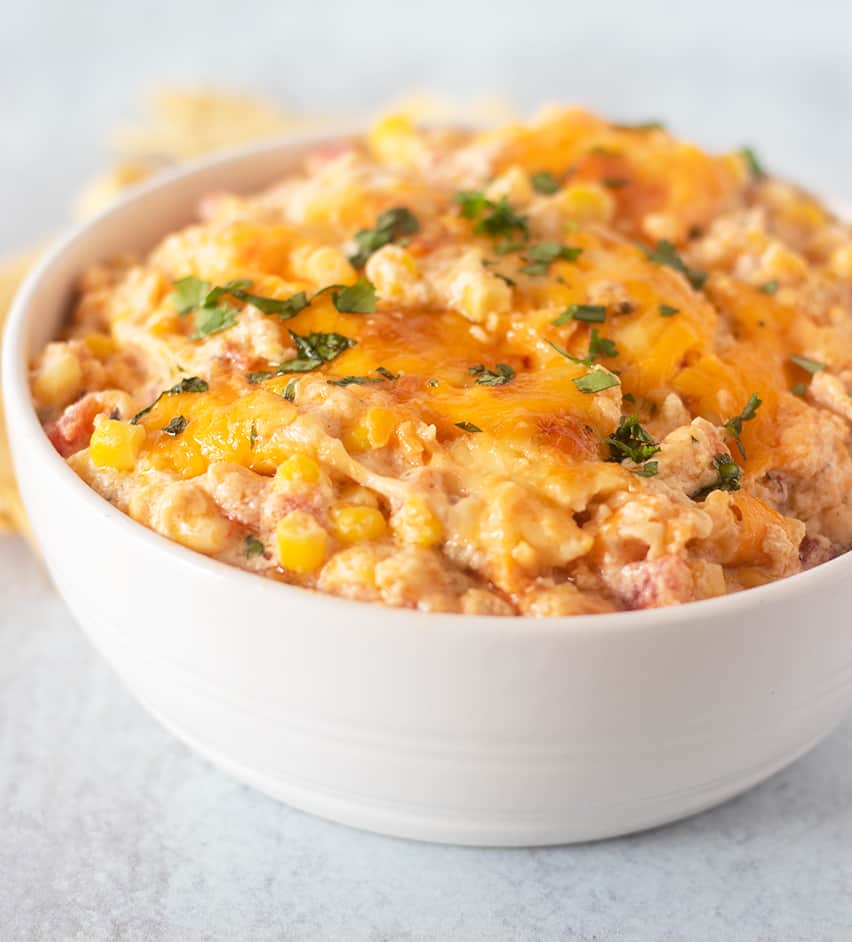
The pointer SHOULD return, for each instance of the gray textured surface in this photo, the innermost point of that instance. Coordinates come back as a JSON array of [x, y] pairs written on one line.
[[109, 829], [731, 72]]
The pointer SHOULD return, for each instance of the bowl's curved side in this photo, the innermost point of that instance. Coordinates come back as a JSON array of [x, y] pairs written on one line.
[[443, 733], [486, 731]]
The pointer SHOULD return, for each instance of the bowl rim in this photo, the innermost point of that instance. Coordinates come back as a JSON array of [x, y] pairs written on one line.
[[18, 403]]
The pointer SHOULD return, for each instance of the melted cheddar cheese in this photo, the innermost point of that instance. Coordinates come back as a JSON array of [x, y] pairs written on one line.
[[556, 368]]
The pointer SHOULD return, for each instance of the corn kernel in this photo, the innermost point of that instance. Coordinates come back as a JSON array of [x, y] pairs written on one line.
[[841, 261], [415, 522], [353, 524], [101, 345], [299, 467], [59, 378], [355, 494], [394, 141], [301, 542], [328, 266], [513, 184], [115, 444], [586, 202], [396, 276]]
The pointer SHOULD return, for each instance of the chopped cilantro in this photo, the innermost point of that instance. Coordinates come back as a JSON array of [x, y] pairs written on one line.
[[313, 350], [383, 377], [540, 256], [544, 182], [188, 293], [504, 278], [468, 427], [290, 391], [359, 298], [589, 313], [730, 475], [472, 203], [391, 225], [189, 384], [253, 434], [253, 547], [648, 470], [752, 161], [641, 126], [666, 254], [211, 316], [176, 426], [735, 424], [210, 319], [806, 363], [601, 346], [666, 310], [580, 361], [596, 381], [284, 308], [493, 218], [502, 374], [770, 287], [631, 441], [800, 389]]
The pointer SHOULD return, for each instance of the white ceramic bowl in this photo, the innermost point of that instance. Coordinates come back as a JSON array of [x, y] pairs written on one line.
[[466, 729]]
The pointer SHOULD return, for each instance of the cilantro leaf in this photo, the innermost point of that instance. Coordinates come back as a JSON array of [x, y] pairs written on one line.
[[540, 256], [502, 374], [666, 254], [290, 391], [730, 476], [285, 308], [359, 298], [230, 287], [313, 350], [666, 310], [588, 313], [806, 363], [735, 424], [631, 441], [544, 182], [641, 126], [188, 293], [752, 161], [601, 346], [189, 384], [596, 381], [391, 225], [493, 218], [212, 319], [253, 547], [468, 427], [384, 376], [176, 426], [770, 287], [472, 203], [580, 361], [648, 470]]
